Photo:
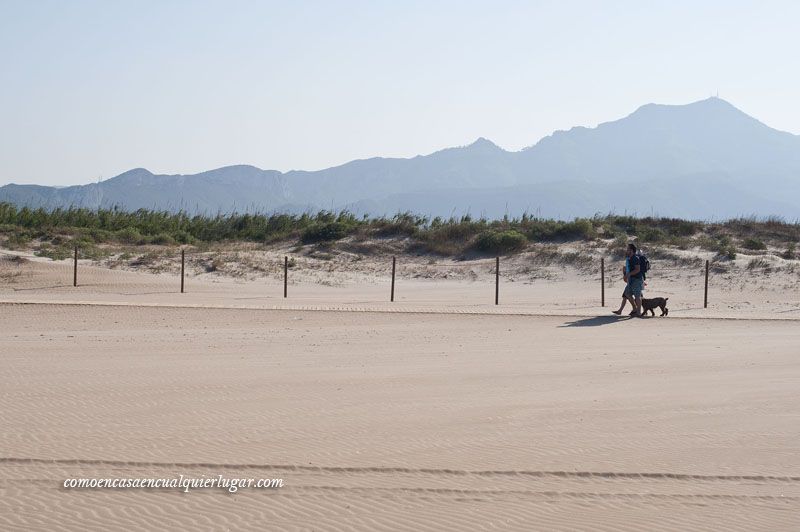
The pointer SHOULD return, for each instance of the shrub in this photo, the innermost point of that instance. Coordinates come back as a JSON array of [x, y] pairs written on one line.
[[680, 242], [60, 252], [405, 224], [552, 230], [325, 232], [500, 242], [680, 228], [754, 244], [652, 234], [182, 237], [86, 250], [720, 245], [17, 240], [94, 235], [129, 235], [161, 239], [579, 228]]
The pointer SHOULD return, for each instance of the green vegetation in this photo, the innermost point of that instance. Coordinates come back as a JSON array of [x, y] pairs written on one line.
[[754, 244], [53, 233], [326, 231], [500, 242]]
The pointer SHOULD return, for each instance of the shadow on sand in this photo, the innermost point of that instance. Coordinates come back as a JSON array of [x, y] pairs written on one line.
[[596, 321]]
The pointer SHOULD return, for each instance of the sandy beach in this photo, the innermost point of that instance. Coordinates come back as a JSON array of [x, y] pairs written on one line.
[[399, 266], [440, 411]]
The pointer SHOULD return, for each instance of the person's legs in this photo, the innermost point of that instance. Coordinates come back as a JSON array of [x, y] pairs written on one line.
[[636, 292], [625, 299]]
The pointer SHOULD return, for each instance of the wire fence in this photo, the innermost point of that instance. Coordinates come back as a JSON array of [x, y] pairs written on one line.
[[697, 276]]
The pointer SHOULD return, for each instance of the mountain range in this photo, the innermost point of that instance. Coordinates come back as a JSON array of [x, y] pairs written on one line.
[[704, 160]]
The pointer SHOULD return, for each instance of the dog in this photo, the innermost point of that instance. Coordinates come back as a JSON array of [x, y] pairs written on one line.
[[656, 302]]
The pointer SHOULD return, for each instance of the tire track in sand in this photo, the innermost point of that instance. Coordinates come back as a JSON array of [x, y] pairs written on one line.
[[408, 470]]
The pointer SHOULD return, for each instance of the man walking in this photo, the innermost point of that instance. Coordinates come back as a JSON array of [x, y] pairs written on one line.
[[635, 279]]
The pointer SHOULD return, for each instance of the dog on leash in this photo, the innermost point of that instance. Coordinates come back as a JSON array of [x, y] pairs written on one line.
[[656, 302]]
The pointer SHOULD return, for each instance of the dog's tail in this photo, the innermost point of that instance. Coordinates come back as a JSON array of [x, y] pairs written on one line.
[[666, 299]]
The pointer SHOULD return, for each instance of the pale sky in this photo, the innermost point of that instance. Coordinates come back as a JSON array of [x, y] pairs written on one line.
[[90, 89]]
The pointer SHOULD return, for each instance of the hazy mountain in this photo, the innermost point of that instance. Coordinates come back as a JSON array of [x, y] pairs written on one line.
[[702, 160]]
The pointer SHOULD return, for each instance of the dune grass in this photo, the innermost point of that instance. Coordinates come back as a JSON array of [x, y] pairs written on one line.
[[56, 231]]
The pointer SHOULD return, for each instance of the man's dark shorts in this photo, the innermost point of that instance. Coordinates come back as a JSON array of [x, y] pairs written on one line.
[[634, 287]]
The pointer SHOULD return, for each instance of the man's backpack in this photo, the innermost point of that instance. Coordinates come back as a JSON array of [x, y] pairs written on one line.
[[644, 264]]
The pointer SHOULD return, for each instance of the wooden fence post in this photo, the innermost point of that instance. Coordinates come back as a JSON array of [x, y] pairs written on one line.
[[705, 294], [285, 274], [183, 260], [75, 268], [394, 264], [497, 281], [602, 282]]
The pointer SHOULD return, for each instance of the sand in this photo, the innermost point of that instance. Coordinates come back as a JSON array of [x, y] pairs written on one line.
[[445, 286], [441, 411]]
